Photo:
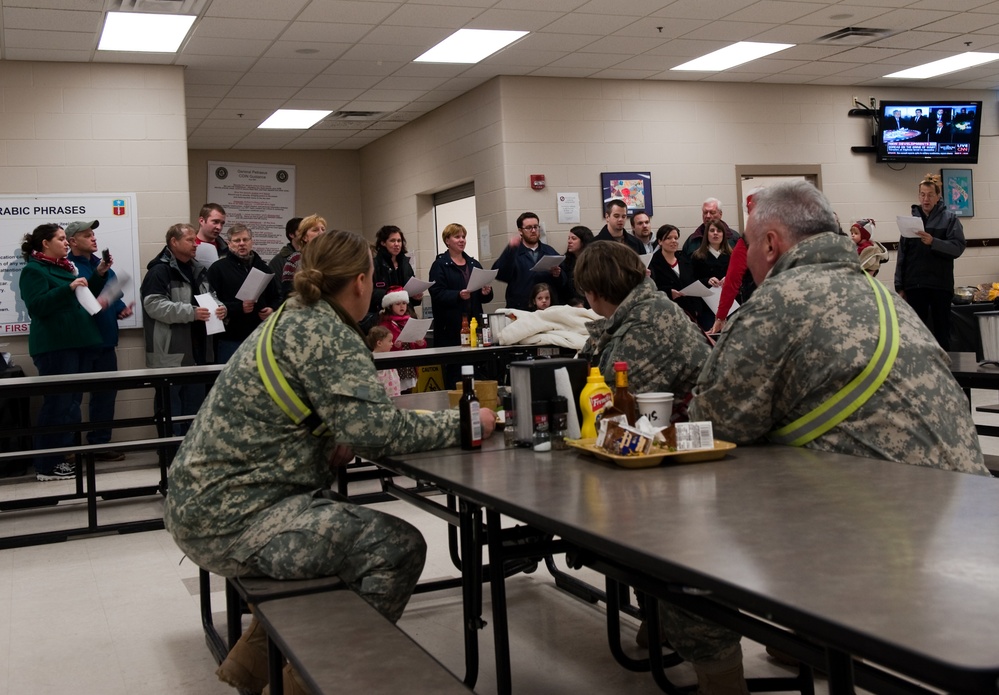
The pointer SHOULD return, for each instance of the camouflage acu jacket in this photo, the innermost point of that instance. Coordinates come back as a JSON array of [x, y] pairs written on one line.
[[662, 346], [809, 329], [243, 454]]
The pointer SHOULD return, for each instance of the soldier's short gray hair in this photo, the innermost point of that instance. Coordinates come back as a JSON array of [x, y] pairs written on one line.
[[798, 206]]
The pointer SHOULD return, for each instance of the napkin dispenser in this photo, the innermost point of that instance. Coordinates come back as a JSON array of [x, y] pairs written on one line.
[[534, 380]]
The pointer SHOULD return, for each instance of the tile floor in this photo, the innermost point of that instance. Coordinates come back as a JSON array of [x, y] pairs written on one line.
[[117, 615]]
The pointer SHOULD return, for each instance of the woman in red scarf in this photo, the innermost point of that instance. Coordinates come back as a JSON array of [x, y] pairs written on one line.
[[62, 338]]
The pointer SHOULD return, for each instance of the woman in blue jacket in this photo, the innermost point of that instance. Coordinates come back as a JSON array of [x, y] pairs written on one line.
[[450, 300]]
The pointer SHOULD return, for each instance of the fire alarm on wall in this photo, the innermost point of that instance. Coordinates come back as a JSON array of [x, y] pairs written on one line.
[[537, 181]]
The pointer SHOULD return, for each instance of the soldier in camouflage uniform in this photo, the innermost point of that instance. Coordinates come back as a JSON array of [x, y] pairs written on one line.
[[245, 488], [641, 325], [809, 329]]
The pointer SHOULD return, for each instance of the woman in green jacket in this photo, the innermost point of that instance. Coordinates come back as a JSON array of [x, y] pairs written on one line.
[[63, 337]]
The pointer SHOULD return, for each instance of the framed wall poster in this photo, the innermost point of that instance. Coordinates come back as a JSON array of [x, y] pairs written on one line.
[[958, 191], [634, 188]]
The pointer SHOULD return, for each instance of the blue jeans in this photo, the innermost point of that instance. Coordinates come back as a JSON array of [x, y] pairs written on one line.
[[185, 400], [59, 408], [224, 349]]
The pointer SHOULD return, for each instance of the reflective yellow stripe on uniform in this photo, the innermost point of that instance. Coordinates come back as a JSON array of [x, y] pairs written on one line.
[[848, 399], [277, 386]]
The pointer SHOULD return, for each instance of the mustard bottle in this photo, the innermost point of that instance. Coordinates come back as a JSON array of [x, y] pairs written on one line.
[[594, 397], [473, 338]]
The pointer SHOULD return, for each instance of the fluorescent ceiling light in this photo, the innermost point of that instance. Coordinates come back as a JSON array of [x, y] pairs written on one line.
[[730, 56], [942, 67], [298, 119], [144, 33], [469, 46]]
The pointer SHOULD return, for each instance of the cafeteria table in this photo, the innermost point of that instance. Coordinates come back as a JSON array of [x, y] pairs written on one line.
[[841, 557]]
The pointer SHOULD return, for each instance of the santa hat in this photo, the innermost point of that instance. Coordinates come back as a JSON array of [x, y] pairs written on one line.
[[394, 295], [866, 228]]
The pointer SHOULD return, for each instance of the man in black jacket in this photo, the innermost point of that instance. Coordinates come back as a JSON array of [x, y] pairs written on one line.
[[226, 276], [615, 216]]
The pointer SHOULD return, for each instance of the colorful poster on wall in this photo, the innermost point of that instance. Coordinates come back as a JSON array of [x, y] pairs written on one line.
[[261, 196], [118, 231]]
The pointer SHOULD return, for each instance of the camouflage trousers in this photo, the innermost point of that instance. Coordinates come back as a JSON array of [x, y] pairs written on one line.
[[306, 536], [697, 640]]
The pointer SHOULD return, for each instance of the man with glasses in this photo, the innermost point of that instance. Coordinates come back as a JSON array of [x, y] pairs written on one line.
[[521, 254]]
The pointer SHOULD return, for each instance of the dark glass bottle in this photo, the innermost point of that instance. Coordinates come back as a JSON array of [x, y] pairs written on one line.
[[624, 401], [468, 407]]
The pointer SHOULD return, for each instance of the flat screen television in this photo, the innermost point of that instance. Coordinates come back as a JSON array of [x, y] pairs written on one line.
[[929, 131]]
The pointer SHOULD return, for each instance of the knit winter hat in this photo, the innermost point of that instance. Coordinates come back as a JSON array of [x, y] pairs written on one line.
[[866, 228], [395, 294]]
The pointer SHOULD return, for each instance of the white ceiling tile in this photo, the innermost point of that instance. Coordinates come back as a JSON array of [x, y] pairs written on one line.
[[215, 46], [286, 65], [243, 56], [348, 11], [520, 20], [595, 24], [778, 11], [423, 15], [727, 31], [33, 38], [218, 27], [275, 79], [330, 94], [327, 81], [256, 9], [52, 20], [326, 31], [316, 51], [11, 53]]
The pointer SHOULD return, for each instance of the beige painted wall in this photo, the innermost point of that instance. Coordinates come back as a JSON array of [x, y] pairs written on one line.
[[689, 135], [97, 128], [326, 181]]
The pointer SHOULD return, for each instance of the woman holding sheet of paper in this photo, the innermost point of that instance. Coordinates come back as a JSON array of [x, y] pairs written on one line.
[[924, 270], [63, 337], [450, 274]]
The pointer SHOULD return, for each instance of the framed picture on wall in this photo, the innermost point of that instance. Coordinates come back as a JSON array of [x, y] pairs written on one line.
[[633, 187], [958, 191]]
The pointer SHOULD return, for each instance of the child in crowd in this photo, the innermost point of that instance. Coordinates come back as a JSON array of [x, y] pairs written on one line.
[[860, 232], [541, 297], [394, 317], [380, 340]]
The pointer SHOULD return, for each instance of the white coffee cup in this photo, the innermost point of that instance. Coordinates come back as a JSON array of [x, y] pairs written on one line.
[[657, 407]]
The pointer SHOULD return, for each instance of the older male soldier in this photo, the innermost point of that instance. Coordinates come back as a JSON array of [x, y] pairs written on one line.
[[615, 216], [641, 227], [710, 212], [281, 257], [226, 277], [521, 254], [211, 219], [789, 350], [174, 324], [83, 253]]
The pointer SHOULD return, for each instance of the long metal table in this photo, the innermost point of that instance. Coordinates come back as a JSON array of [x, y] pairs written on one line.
[[892, 563], [159, 380]]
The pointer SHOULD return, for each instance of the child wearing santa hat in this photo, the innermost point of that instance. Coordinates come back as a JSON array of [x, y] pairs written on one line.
[[394, 316], [860, 232]]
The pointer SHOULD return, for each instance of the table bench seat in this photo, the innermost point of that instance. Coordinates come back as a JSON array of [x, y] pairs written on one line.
[[338, 643]]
